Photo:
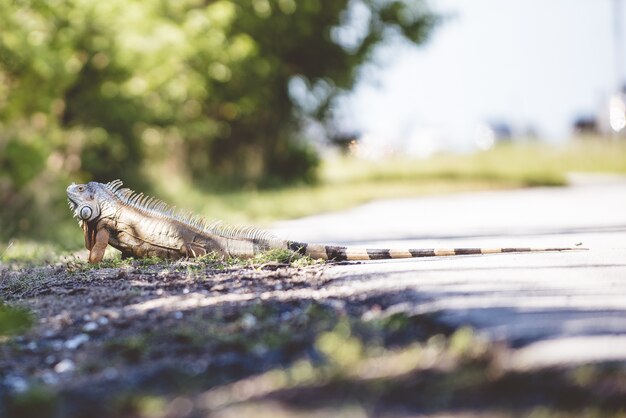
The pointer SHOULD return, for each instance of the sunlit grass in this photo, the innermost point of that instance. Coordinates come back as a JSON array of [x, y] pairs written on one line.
[[26, 251], [346, 182], [524, 164]]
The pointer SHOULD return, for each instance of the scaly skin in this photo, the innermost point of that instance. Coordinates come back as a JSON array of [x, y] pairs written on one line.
[[140, 226]]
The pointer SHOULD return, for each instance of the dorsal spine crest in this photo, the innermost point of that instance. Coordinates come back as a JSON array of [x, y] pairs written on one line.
[[158, 208]]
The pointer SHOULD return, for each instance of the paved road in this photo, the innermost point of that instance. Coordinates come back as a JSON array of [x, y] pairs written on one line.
[[555, 307]]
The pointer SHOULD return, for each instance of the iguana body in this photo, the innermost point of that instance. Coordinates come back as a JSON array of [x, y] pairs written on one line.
[[140, 226]]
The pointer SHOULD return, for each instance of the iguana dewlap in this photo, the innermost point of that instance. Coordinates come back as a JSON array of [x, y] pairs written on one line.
[[140, 226]]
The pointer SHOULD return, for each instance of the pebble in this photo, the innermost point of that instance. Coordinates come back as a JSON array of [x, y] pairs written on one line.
[[196, 368], [336, 304], [260, 350], [49, 378], [16, 383], [77, 341], [248, 321], [90, 326], [65, 366], [110, 373]]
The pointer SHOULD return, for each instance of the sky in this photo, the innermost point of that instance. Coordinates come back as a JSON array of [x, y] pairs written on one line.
[[533, 64]]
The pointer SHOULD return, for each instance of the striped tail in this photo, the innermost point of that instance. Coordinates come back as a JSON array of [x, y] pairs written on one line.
[[339, 253]]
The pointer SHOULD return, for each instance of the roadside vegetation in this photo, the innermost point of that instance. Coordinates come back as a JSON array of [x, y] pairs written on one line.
[[202, 104], [345, 182], [268, 335]]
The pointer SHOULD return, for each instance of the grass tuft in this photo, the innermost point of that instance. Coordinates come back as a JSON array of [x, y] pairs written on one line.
[[14, 320]]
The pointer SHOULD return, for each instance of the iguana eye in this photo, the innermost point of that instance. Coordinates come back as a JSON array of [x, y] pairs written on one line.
[[81, 188], [85, 212]]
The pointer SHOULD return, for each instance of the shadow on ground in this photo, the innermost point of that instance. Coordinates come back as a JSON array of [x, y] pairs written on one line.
[[193, 339]]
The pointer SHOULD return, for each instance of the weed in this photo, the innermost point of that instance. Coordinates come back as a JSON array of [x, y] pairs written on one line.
[[29, 253], [14, 320], [132, 349], [145, 261], [145, 406], [15, 284], [9, 245], [280, 256]]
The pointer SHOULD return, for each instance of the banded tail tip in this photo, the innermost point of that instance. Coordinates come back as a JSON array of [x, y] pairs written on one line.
[[575, 248]]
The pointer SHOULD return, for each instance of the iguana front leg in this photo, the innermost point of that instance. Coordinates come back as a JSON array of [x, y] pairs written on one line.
[[96, 240], [96, 252]]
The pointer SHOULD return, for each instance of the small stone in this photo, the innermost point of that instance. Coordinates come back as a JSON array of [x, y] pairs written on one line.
[[197, 368], [90, 326], [260, 350], [49, 378], [248, 321], [103, 320], [77, 341], [185, 291], [178, 315], [159, 292], [65, 366], [110, 373], [32, 346], [16, 383], [336, 304]]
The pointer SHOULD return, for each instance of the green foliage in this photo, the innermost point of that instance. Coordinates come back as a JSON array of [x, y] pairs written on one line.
[[131, 349], [99, 90], [14, 320], [278, 256]]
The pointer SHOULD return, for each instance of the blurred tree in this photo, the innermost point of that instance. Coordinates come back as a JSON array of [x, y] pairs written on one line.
[[89, 89], [304, 45]]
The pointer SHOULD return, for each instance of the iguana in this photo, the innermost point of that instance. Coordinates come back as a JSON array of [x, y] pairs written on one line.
[[141, 226]]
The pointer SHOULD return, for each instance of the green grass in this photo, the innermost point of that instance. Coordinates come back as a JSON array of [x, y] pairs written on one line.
[[346, 182], [14, 320], [26, 251]]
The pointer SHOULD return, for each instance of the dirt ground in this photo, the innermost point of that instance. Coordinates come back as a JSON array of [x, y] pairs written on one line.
[[195, 339]]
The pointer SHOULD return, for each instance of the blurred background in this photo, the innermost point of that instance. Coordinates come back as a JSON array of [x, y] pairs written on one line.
[[258, 110]]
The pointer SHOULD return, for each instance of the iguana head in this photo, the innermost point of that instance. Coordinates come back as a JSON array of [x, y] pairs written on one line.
[[84, 202]]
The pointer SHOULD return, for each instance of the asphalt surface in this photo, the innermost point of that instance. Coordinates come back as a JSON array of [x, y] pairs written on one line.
[[555, 308]]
